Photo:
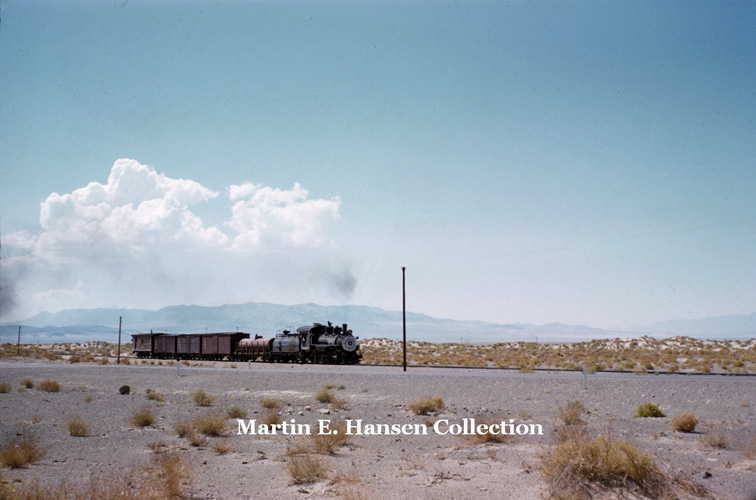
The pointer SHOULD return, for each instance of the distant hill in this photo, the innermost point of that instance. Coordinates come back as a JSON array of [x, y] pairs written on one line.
[[732, 326], [78, 325]]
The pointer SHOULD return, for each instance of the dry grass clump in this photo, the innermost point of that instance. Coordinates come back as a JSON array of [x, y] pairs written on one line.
[[571, 413], [183, 428], [236, 412], [306, 468], [49, 385], [143, 418], [648, 410], [210, 425], [749, 448], [155, 396], [270, 418], [20, 452], [5, 388], [323, 395], [221, 447], [78, 427], [170, 476], [28, 383], [202, 397], [582, 468], [426, 405], [196, 439], [270, 403], [352, 491], [685, 422], [74, 359], [714, 439], [328, 444], [167, 479], [488, 436]]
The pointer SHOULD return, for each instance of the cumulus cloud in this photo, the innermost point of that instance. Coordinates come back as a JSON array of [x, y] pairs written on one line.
[[137, 206], [264, 216], [138, 241]]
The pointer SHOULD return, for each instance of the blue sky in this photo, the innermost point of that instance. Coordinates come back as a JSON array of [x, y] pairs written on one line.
[[581, 162]]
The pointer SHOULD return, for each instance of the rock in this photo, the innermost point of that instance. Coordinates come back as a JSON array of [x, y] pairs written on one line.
[[125, 389], [324, 411]]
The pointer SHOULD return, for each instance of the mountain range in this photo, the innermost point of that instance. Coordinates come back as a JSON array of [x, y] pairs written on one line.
[[80, 325]]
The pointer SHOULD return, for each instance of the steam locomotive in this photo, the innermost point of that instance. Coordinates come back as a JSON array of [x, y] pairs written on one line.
[[316, 343]]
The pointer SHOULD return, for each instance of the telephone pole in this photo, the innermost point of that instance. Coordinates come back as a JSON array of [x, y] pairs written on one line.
[[404, 323]]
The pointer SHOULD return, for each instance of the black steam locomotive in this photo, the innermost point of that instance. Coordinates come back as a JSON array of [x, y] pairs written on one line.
[[310, 344]]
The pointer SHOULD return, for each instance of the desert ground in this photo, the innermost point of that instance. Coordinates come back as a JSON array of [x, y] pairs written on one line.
[[187, 415]]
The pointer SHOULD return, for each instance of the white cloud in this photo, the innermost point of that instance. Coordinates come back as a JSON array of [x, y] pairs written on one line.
[[136, 241], [265, 217], [137, 206]]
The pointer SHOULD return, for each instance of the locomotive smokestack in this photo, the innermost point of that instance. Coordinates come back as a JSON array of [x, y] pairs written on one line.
[[344, 326]]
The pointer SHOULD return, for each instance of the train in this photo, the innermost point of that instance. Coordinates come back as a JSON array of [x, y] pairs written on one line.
[[316, 343]]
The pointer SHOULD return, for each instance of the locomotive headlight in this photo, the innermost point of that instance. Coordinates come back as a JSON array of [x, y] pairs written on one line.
[[349, 344]]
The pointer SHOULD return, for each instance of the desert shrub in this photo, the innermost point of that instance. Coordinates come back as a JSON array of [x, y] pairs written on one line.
[[49, 385], [270, 418], [236, 412], [328, 444], [155, 396], [74, 359], [143, 418], [685, 422], [272, 403], [78, 427], [221, 447], [103, 361], [196, 439], [565, 433], [579, 468], [488, 437], [20, 452], [648, 410], [5, 388], [183, 428], [329, 385], [571, 413], [306, 468], [353, 491], [210, 425], [171, 474], [426, 405], [165, 480], [202, 397], [28, 383], [714, 439], [323, 395]]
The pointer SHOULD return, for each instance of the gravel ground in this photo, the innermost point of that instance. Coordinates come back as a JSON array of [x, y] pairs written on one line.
[[384, 467]]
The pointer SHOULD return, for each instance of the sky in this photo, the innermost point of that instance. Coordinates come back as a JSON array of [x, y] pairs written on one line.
[[582, 162]]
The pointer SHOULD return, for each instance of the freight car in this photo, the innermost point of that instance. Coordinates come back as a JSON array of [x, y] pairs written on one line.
[[309, 344]]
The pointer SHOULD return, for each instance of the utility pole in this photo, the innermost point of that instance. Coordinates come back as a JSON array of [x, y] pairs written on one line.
[[404, 323], [18, 346], [118, 359]]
